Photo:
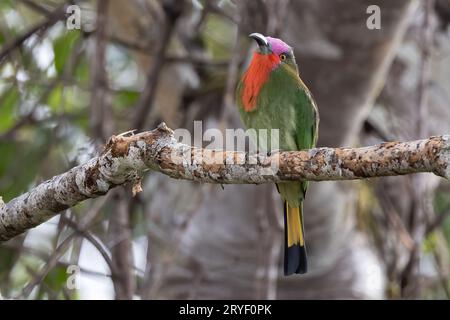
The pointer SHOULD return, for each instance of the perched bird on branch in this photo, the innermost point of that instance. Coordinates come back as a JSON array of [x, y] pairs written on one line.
[[271, 95]]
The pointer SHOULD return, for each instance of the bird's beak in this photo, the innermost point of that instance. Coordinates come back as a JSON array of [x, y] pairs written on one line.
[[264, 45]]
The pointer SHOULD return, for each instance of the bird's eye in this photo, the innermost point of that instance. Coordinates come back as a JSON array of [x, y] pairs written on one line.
[[283, 57]]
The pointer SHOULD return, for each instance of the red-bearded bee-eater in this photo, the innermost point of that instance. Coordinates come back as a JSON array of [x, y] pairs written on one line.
[[271, 95]]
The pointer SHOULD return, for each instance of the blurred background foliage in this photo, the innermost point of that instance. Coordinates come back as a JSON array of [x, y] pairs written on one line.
[[136, 63]]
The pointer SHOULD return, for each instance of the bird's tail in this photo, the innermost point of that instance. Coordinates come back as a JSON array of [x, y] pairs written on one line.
[[294, 249]]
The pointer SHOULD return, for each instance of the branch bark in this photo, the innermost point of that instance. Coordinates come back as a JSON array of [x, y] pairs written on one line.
[[125, 159]]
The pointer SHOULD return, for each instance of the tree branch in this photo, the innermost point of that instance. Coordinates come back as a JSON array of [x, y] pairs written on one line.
[[50, 20], [125, 159]]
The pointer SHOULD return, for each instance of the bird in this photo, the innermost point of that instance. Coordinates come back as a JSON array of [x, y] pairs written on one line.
[[271, 95]]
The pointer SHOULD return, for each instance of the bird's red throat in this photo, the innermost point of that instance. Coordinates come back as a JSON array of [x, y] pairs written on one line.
[[256, 75]]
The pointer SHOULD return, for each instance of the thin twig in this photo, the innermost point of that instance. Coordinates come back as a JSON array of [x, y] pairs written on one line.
[[52, 261], [93, 240], [57, 15], [37, 7]]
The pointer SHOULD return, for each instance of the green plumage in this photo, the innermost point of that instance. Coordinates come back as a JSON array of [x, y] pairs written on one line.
[[285, 103]]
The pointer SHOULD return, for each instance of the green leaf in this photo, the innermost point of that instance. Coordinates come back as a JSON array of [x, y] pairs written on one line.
[[446, 229], [63, 47], [218, 39], [53, 284], [55, 98], [75, 98], [67, 99], [8, 102], [441, 201], [21, 160], [125, 99], [82, 71], [57, 278], [7, 261], [5, 4]]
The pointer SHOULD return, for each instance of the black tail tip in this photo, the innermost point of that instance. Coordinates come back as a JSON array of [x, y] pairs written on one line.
[[295, 260]]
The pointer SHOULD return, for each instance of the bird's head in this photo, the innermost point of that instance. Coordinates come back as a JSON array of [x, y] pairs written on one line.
[[274, 51], [273, 54]]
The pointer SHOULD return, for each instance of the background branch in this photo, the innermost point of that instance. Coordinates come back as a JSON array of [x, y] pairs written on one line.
[[16, 42]]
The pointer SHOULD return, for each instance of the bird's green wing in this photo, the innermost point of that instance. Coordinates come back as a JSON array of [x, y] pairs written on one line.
[[307, 119], [307, 122]]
